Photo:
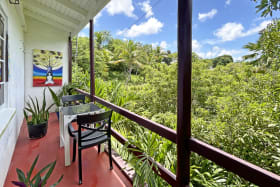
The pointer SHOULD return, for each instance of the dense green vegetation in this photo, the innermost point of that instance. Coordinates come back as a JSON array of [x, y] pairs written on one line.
[[266, 50], [266, 7], [235, 106]]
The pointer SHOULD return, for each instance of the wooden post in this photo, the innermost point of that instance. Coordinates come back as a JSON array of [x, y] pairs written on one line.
[[91, 55], [184, 91], [70, 59]]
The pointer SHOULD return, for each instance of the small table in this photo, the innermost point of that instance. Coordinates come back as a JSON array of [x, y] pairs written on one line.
[[68, 114]]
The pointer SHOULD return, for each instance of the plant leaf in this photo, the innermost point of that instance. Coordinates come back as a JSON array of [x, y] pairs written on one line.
[[48, 174], [21, 184], [57, 181], [41, 171], [32, 167], [21, 176]]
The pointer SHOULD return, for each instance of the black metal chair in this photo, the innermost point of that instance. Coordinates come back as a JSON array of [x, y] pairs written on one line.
[[89, 136], [70, 100]]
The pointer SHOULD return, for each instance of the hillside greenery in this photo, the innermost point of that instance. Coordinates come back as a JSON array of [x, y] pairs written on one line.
[[235, 106]]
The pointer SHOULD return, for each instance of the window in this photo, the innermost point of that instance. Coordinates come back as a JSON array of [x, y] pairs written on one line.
[[2, 60]]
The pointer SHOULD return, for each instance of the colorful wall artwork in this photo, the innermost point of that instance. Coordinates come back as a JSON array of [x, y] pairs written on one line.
[[47, 68]]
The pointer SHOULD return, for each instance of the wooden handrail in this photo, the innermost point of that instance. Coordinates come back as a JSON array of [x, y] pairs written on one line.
[[234, 164], [161, 130], [149, 124], [83, 92], [164, 173]]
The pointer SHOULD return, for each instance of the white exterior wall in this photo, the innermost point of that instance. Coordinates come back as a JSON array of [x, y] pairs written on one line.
[[37, 36], [11, 117], [43, 36]]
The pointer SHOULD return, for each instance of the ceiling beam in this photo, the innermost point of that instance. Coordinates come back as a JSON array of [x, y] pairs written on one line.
[[74, 7], [97, 6], [19, 10], [47, 20], [47, 10]]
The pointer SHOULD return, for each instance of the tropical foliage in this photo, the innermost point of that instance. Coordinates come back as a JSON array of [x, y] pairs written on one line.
[[235, 105], [222, 60], [266, 7], [39, 114], [37, 180], [266, 50], [56, 96]]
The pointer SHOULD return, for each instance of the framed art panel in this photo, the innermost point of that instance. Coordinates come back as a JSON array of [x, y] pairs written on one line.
[[47, 68]]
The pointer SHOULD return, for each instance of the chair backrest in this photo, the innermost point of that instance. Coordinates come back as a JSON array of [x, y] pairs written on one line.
[[84, 121], [69, 100]]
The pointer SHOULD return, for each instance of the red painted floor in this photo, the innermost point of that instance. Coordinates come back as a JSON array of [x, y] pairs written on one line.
[[95, 166]]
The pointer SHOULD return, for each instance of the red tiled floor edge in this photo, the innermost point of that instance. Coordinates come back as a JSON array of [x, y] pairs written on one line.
[[96, 171]]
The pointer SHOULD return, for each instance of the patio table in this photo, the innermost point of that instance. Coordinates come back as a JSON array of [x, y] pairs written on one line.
[[68, 114]]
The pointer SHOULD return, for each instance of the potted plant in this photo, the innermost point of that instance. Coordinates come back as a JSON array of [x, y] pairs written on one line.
[[37, 180], [56, 100], [66, 90], [38, 122]]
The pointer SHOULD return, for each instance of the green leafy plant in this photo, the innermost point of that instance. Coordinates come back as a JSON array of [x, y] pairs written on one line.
[[66, 90], [39, 114], [56, 97], [144, 162], [267, 7], [37, 180]]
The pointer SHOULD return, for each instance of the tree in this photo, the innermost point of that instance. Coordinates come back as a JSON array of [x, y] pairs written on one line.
[[195, 57], [267, 6], [158, 54], [82, 51], [234, 107], [267, 48], [102, 38], [222, 60], [167, 57], [148, 54], [129, 55]]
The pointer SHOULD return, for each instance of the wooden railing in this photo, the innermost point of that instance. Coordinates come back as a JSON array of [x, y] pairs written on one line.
[[163, 131], [236, 165]]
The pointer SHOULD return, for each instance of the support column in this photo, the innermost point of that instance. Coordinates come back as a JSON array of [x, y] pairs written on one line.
[[184, 91], [70, 59], [91, 55]]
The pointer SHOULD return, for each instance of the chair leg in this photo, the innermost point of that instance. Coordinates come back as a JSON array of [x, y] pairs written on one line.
[[74, 150], [110, 154], [80, 166], [98, 148]]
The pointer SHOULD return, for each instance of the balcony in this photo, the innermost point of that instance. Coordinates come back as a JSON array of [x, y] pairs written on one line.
[[95, 166], [55, 33]]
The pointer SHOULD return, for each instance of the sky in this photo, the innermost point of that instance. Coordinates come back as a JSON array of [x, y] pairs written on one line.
[[219, 26]]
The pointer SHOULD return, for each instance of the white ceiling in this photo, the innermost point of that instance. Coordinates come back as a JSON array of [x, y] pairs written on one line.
[[66, 15]]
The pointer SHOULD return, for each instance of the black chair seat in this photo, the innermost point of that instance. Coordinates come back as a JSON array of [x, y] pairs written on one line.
[[75, 133], [98, 138], [88, 136]]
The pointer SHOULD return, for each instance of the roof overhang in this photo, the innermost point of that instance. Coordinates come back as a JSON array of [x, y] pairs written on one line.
[[67, 15]]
